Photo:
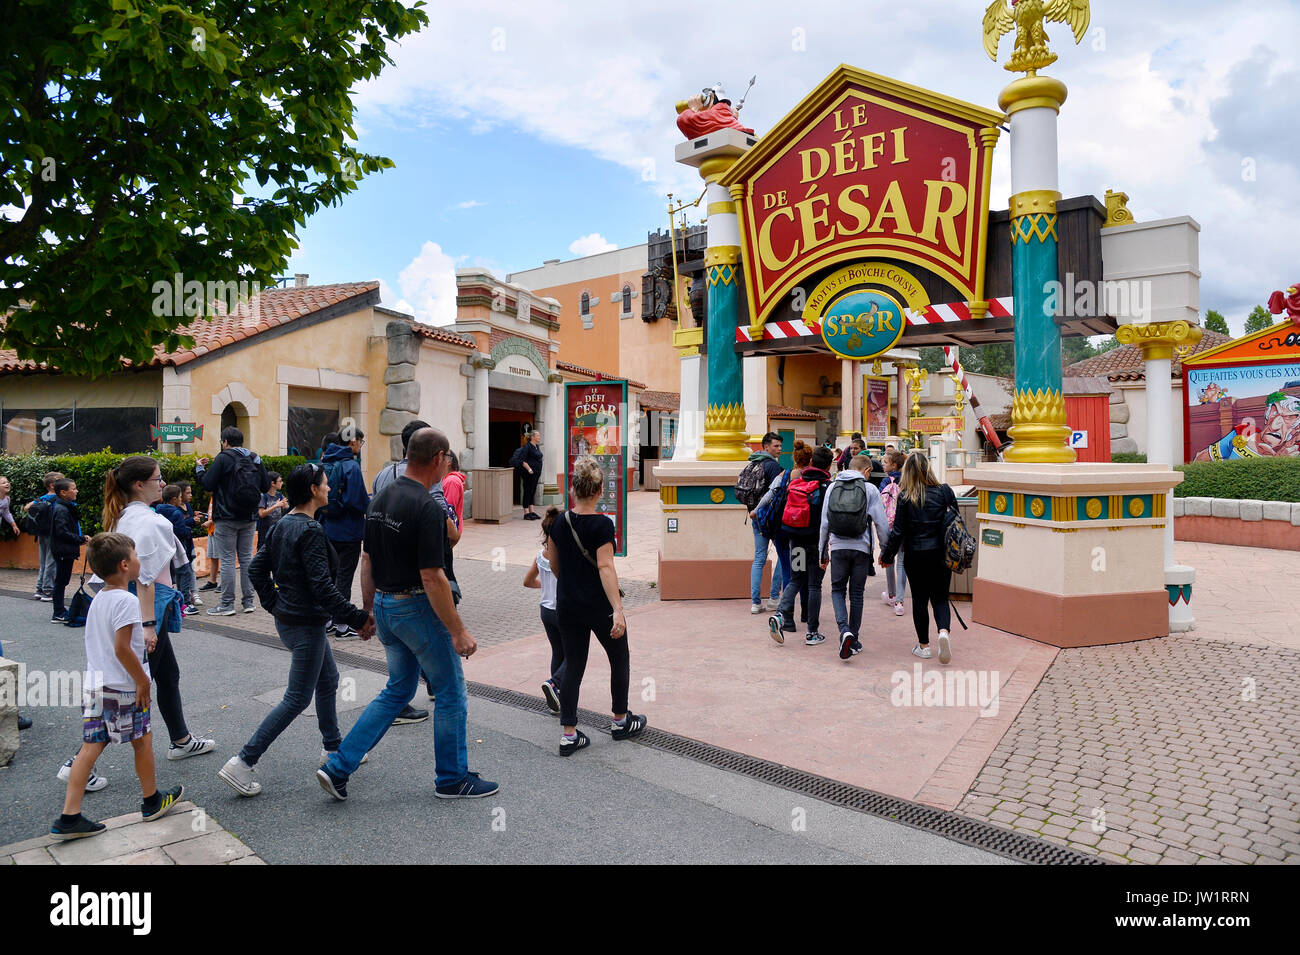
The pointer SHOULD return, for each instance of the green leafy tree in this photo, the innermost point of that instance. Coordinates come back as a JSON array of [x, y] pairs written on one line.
[[131, 135], [932, 358], [1075, 349], [1259, 319], [1215, 322], [998, 359]]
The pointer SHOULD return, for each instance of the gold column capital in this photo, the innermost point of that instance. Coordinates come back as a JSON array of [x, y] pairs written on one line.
[[721, 255], [1117, 212], [1033, 201], [724, 433], [737, 190], [1160, 339], [989, 136], [1039, 428]]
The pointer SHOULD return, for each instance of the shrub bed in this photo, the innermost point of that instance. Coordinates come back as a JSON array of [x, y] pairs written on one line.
[[27, 471], [1252, 479]]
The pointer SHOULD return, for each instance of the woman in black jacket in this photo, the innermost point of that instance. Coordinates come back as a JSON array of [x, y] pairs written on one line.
[[530, 469], [294, 575], [919, 526]]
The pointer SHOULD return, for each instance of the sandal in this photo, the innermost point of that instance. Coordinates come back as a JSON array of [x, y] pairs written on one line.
[[568, 749]]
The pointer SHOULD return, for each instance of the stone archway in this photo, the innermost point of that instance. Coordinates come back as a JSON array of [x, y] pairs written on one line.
[[523, 348]]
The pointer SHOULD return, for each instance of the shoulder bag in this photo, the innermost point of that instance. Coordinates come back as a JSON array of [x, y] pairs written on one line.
[[591, 560]]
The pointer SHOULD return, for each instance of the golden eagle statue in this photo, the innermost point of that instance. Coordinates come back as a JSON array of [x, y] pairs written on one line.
[[1026, 17]]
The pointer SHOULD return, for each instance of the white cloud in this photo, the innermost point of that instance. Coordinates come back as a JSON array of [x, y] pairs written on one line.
[[1140, 118], [591, 245], [429, 282], [470, 204]]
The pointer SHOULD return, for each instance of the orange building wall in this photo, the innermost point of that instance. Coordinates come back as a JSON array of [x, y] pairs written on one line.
[[596, 347], [802, 377]]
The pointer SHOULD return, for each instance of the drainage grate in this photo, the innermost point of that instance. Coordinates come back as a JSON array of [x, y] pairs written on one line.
[[950, 825]]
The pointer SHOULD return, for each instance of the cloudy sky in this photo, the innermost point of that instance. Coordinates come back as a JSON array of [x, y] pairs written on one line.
[[524, 132]]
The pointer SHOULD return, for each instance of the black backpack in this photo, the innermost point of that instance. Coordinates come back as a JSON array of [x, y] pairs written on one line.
[[751, 485], [244, 487], [38, 520], [846, 507]]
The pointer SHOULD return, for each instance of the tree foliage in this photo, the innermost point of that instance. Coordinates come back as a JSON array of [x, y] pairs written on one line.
[[1259, 319], [133, 131], [1215, 322]]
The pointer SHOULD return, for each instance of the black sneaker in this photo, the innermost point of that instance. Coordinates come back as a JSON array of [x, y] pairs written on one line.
[[410, 715], [78, 829], [632, 725], [471, 787], [813, 639], [170, 798], [336, 787], [23, 722], [552, 697], [568, 747], [60, 618], [846, 644], [210, 585]]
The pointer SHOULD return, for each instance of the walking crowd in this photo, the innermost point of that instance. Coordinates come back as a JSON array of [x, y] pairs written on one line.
[[816, 522], [295, 544]]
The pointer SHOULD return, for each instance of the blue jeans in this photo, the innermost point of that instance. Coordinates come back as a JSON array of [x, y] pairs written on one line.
[[311, 671], [780, 574], [414, 640], [186, 582], [896, 577]]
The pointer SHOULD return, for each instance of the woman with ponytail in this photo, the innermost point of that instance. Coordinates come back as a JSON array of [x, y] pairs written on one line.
[[129, 490]]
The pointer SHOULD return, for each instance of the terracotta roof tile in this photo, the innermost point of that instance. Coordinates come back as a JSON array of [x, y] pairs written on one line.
[[578, 369], [273, 308], [438, 335], [1125, 363]]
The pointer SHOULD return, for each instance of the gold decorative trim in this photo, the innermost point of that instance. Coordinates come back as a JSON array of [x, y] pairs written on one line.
[[1093, 508], [737, 190], [722, 255], [724, 434], [1036, 507], [1159, 339], [1033, 201], [717, 495], [1038, 226], [1117, 210], [727, 208], [688, 337], [722, 274], [715, 167], [1137, 507], [1030, 92], [1039, 431]]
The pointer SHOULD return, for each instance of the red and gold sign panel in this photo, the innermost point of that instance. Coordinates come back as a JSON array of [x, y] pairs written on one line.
[[866, 168]]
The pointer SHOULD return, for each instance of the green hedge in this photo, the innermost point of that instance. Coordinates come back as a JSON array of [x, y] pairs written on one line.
[[1253, 479], [27, 471], [1128, 457]]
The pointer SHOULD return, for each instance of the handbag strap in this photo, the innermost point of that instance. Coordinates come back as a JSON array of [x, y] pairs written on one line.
[[585, 554]]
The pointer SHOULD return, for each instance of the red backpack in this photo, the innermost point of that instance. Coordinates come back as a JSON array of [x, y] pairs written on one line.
[[803, 506]]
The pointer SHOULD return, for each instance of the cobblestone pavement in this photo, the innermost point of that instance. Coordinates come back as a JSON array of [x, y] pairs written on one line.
[[1181, 750], [187, 836]]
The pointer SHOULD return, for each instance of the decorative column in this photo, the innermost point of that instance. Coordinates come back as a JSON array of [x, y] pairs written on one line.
[[724, 420], [1038, 429], [1158, 341]]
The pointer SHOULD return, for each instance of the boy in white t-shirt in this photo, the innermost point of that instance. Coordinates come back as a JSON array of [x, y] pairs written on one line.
[[117, 691]]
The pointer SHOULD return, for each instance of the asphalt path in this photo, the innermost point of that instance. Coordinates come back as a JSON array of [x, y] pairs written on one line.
[[615, 802]]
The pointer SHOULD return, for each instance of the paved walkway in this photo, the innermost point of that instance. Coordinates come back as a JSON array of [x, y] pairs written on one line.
[[186, 836], [1159, 736]]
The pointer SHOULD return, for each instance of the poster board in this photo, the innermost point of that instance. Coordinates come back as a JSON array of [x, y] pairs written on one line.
[[596, 423], [877, 406]]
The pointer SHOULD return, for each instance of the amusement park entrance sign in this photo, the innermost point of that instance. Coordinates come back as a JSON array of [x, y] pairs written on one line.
[[866, 168]]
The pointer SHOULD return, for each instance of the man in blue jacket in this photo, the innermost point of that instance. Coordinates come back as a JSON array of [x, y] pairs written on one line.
[[344, 518]]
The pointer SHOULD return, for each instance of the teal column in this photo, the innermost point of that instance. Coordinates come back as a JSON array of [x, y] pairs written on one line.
[[726, 386]]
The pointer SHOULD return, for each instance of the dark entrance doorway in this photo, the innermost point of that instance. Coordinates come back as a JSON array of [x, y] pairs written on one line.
[[509, 414]]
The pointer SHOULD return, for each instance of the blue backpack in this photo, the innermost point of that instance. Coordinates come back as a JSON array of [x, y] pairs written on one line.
[[768, 518]]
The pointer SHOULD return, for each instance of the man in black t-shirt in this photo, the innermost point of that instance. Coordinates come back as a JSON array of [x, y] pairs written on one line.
[[403, 581]]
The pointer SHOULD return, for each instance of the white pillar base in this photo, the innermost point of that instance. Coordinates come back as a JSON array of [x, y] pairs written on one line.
[[1181, 619]]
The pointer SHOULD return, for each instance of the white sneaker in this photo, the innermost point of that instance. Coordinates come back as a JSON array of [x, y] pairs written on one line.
[[886, 596], [93, 785], [920, 651], [945, 647], [325, 754], [197, 601], [241, 777], [249, 609], [755, 608], [197, 746]]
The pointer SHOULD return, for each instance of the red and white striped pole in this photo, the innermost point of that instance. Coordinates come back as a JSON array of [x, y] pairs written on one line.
[[950, 356]]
